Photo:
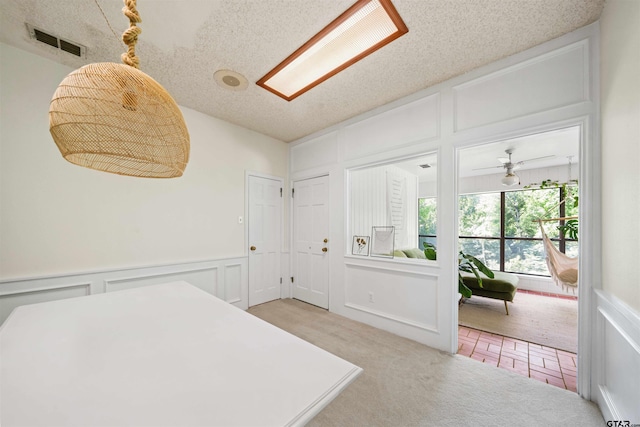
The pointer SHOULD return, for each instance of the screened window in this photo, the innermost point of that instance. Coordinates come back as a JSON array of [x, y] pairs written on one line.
[[389, 195], [479, 227], [501, 229]]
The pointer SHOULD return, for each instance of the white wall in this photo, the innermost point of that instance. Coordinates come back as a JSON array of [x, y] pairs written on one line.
[[58, 218], [546, 88], [617, 325], [225, 278], [620, 92], [552, 86]]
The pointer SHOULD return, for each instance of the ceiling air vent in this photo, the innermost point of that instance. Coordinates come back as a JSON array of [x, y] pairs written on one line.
[[54, 41]]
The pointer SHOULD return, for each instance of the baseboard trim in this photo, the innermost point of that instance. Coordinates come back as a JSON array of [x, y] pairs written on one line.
[[392, 317]]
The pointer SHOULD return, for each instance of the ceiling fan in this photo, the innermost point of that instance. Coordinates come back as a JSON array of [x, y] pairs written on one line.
[[511, 178]]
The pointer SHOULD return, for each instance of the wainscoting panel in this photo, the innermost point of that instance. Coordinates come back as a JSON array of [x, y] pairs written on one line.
[[203, 278], [225, 278], [12, 299], [233, 284], [402, 126], [556, 79], [617, 387], [398, 298]]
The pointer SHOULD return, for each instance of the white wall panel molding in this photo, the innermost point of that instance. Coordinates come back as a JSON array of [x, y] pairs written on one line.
[[233, 283], [136, 281], [550, 86], [393, 318], [404, 126], [13, 281], [11, 299], [309, 174], [616, 386], [86, 286], [417, 149], [225, 278], [378, 294], [557, 79], [398, 265]]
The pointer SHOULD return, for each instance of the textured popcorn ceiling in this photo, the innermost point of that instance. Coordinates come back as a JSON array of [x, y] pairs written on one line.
[[185, 41]]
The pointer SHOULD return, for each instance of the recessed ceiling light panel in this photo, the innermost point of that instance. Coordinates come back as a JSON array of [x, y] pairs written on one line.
[[364, 28]]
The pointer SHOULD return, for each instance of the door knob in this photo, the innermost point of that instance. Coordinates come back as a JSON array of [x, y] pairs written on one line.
[[324, 249], [253, 248], [326, 240]]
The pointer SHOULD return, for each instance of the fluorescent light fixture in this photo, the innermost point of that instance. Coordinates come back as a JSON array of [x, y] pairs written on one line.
[[364, 28]]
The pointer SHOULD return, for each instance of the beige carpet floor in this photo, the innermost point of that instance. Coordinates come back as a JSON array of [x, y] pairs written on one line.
[[552, 322], [405, 383]]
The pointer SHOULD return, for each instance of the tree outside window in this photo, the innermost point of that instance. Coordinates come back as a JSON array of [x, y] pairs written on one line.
[[501, 230], [427, 211], [479, 227]]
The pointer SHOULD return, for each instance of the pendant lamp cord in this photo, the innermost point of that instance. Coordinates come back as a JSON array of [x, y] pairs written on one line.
[[130, 36], [109, 23]]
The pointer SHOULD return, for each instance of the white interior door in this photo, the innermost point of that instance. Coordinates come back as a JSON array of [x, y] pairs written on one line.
[[311, 241], [265, 235]]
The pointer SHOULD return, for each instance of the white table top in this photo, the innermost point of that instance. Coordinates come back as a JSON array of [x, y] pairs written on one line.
[[164, 355]]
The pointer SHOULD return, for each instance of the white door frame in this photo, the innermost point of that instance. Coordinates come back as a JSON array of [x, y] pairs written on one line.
[[245, 252]]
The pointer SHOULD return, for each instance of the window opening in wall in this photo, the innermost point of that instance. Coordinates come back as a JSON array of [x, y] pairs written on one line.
[[394, 195]]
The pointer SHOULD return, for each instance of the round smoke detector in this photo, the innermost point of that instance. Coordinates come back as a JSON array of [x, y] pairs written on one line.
[[230, 80]]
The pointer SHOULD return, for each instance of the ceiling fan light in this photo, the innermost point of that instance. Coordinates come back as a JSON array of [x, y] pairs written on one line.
[[510, 179]]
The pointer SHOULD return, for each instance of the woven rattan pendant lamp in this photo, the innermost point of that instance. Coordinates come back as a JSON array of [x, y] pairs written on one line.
[[115, 118]]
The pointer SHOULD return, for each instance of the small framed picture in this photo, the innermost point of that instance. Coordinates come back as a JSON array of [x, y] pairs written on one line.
[[360, 245], [382, 241]]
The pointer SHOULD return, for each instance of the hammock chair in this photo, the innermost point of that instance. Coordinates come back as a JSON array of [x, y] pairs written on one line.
[[563, 268]]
